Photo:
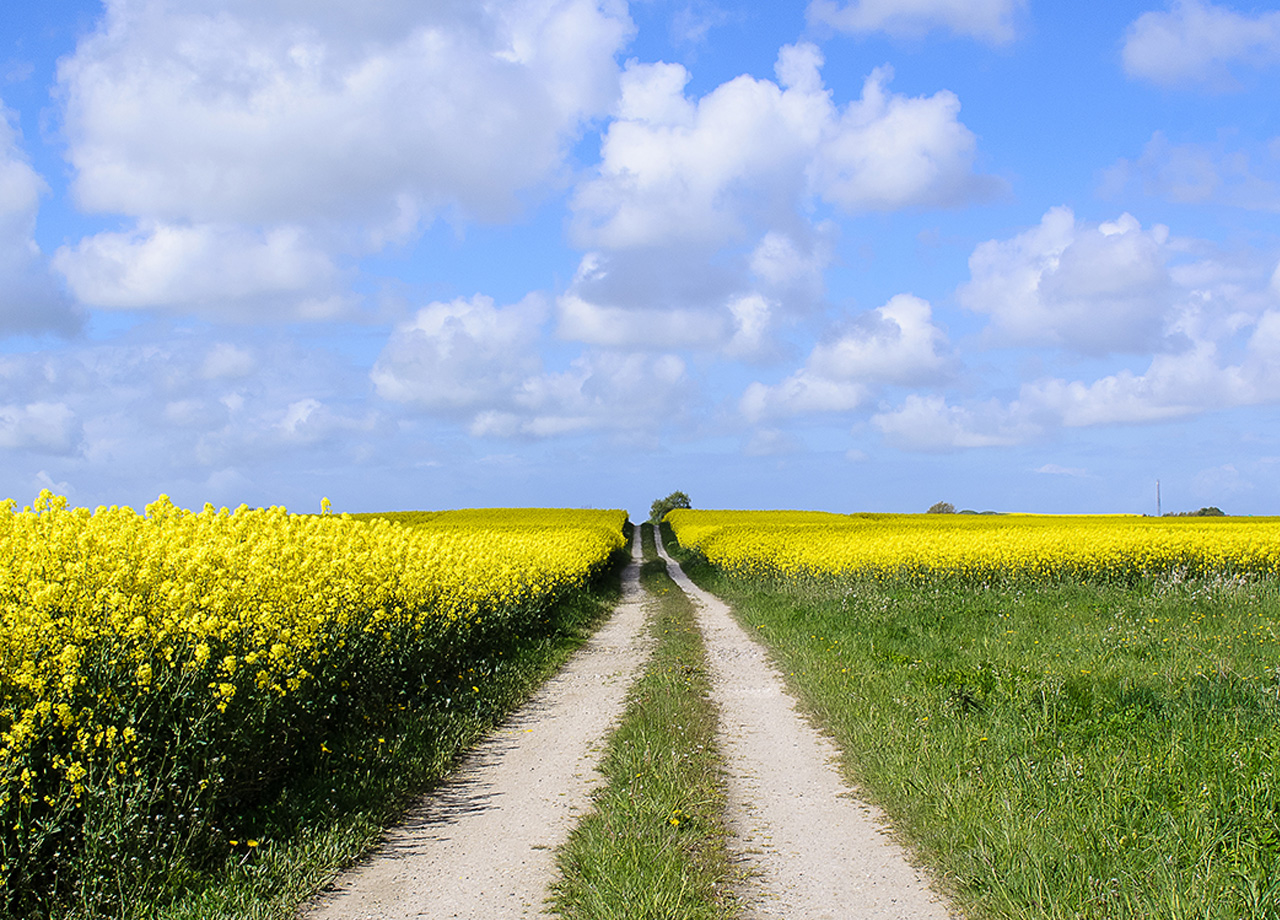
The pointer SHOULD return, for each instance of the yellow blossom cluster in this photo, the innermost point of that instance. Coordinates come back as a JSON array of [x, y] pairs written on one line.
[[978, 547], [116, 625]]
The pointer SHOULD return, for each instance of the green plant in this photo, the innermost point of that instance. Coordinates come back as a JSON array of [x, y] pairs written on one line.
[[658, 510]]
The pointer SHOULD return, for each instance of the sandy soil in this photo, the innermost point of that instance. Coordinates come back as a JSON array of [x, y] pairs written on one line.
[[482, 847], [815, 850]]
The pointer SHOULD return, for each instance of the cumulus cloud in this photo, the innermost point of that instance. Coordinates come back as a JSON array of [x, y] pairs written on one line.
[[1092, 288], [987, 20], [1175, 385], [461, 356], [200, 120], [662, 299], [595, 324], [894, 344], [29, 299], [207, 111], [481, 365], [751, 153], [225, 271], [929, 424], [792, 268], [1195, 42], [625, 393]]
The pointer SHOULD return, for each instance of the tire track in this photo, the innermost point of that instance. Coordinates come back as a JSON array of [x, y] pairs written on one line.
[[482, 846], [815, 851]]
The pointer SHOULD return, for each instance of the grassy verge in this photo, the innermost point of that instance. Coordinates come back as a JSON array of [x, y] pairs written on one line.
[[1067, 751], [654, 845], [324, 821]]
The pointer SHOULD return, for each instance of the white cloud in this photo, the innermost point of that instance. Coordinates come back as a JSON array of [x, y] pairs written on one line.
[[928, 423], [891, 151], [897, 343], [802, 393], [581, 321], [209, 112], [1053, 469], [1174, 386], [751, 153], [253, 143], [29, 299], [785, 265], [663, 299], [1170, 389], [1092, 288], [310, 421], [219, 270], [628, 394], [43, 427], [461, 356], [989, 20], [1195, 42], [894, 344]]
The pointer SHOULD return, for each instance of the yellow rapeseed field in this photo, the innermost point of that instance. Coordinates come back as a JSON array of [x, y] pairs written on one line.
[[131, 643], [793, 544]]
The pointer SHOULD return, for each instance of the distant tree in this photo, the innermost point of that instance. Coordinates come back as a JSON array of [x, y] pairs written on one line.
[[942, 508], [658, 510], [1211, 511]]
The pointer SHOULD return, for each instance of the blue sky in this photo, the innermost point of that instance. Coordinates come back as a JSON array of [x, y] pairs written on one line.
[[846, 255]]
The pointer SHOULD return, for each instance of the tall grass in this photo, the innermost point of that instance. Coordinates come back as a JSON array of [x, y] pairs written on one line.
[[1061, 751]]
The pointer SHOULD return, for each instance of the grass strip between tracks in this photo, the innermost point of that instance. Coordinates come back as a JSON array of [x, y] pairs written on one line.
[[654, 846]]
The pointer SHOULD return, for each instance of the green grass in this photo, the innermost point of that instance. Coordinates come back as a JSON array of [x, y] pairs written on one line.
[[1067, 751], [653, 848], [324, 820]]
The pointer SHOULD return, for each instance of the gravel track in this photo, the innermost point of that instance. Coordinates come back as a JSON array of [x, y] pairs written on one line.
[[482, 846], [815, 851]]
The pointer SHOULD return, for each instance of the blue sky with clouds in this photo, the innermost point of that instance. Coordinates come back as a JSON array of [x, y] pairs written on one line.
[[847, 255]]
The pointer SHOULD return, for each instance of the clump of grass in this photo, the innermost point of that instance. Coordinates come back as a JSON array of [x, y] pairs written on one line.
[[654, 845], [1055, 751]]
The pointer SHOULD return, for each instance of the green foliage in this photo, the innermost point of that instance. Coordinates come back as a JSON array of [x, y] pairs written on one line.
[[1058, 751], [941, 508], [1210, 511], [658, 510], [293, 829]]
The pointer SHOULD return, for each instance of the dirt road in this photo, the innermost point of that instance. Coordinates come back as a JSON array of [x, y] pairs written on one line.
[[482, 847], [818, 853]]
